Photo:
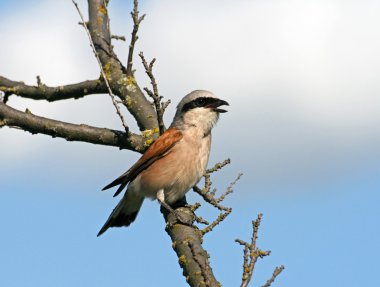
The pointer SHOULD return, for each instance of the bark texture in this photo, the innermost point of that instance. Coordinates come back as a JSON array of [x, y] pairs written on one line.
[[71, 132], [187, 243], [51, 94]]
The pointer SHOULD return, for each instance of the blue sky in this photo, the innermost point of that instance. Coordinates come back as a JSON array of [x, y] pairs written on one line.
[[303, 127]]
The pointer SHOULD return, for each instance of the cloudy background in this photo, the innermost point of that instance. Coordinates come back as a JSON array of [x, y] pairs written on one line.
[[303, 127]]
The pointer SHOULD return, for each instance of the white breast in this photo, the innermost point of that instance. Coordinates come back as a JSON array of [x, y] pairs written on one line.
[[193, 154], [178, 171]]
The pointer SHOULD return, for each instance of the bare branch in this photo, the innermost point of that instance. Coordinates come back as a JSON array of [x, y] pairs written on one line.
[[122, 82], [71, 132], [276, 272], [102, 71], [99, 28], [39, 81], [218, 220], [197, 218], [82, 23], [229, 189], [120, 38], [136, 23], [187, 243], [51, 94], [160, 108], [209, 196], [252, 253], [218, 166]]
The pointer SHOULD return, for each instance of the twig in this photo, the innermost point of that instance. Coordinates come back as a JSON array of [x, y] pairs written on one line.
[[200, 220], [219, 219], [120, 38], [39, 82], [136, 23], [218, 166], [229, 189], [160, 108], [276, 272], [209, 198], [197, 218], [208, 195], [252, 253], [102, 70]]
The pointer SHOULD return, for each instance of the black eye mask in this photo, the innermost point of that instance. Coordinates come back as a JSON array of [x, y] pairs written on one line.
[[205, 102]]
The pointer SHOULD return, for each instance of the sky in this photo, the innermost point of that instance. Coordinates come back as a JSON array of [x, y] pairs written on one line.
[[303, 126]]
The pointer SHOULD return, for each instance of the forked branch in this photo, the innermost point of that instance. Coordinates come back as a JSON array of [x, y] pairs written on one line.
[[209, 195], [160, 107], [51, 94], [110, 93], [123, 83], [136, 24], [252, 253], [187, 238], [71, 132]]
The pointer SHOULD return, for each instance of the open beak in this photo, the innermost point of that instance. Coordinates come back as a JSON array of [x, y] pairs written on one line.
[[215, 106]]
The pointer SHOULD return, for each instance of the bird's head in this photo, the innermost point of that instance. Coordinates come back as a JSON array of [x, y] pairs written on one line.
[[199, 108]]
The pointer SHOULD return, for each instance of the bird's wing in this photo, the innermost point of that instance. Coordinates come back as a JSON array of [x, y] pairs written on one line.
[[161, 146]]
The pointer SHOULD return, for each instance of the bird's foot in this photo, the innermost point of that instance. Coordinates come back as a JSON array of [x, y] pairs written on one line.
[[181, 219]]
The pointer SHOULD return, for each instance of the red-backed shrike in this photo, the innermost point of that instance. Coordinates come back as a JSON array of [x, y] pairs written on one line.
[[173, 164]]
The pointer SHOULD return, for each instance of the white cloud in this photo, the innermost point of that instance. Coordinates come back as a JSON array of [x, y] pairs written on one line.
[[310, 50]]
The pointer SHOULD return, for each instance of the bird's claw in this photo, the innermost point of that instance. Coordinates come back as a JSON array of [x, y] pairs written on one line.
[[179, 219]]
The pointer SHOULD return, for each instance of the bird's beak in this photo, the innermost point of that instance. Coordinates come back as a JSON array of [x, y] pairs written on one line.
[[215, 106]]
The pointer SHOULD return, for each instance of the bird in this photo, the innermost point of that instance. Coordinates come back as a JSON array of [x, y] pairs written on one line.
[[173, 163]]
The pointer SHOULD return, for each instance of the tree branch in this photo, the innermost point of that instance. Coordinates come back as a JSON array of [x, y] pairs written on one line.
[[110, 93], [160, 107], [187, 238], [136, 24], [51, 94], [252, 253], [117, 37], [187, 243], [99, 26], [276, 272], [123, 84], [210, 195], [71, 132]]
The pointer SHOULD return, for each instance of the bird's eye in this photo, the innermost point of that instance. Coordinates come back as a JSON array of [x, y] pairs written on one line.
[[201, 102]]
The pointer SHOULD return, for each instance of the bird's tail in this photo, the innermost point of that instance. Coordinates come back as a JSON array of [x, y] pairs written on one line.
[[125, 212]]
